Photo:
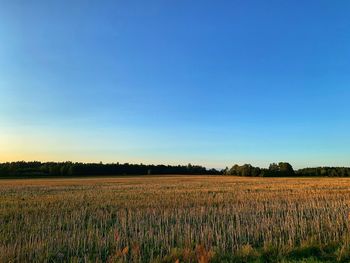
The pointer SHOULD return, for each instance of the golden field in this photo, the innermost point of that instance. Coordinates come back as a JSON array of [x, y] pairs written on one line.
[[175, 219]]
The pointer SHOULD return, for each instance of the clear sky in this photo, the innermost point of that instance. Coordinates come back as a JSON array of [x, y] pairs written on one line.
[[207, 82]]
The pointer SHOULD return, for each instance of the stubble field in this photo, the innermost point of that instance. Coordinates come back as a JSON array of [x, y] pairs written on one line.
[[175, 219]]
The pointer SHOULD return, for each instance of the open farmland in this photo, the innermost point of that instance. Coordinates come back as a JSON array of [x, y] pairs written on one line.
[[170, 218]]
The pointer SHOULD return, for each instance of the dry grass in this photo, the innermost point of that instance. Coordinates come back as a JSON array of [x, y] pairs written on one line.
[[185, 218]]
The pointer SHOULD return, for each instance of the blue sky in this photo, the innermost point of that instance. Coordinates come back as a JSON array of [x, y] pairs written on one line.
[[207, 82]]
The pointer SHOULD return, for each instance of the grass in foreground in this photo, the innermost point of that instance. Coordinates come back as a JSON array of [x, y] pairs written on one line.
[[175, 219]]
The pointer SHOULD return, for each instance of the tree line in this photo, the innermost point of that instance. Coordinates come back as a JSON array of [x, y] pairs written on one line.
[[281, 169], [46, 169], [30, 169], [284, 169]]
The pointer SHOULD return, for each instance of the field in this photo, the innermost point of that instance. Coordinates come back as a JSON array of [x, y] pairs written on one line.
[[175, 219]]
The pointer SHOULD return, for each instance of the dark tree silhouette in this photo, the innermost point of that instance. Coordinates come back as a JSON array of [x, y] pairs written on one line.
[[30, 169]]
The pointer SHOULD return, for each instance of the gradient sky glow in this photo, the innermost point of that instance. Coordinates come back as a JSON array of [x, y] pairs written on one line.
[[207, 82]]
